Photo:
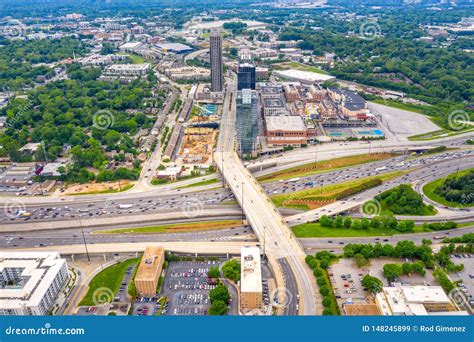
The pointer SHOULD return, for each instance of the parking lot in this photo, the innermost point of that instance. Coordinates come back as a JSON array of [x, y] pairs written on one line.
[[122, 294], [346, 278], [466, 276], [187, 287], [147, 306]]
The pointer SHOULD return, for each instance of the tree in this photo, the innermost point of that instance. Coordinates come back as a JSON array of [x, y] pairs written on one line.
[[217, 308], [326, 301], [372, 284], [327, 312], [324, 290], [360, 260], [347, 222], [214, 272], [406, 268], [219, 293], [231, 270], [339, 221], [392, 271]]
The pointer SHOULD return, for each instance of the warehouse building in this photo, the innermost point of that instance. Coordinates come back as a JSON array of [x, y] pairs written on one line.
[[250, 279], [31, 282], [149, 270]]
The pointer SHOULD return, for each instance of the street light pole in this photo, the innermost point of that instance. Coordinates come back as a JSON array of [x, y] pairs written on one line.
[[84, 240], [243, 212]]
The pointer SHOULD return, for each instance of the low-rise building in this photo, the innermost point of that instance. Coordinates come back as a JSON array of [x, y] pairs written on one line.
[[415, 300], [250, 279], [305, 77], [188, 73], [177, 48], [171, 172], [285, 130], [149, 270], [31, 282], [274, 106], [125, 72], [352, 105], [131, 47]]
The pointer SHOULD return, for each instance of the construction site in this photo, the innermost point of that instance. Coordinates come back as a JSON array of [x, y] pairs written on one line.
[[197, 146]]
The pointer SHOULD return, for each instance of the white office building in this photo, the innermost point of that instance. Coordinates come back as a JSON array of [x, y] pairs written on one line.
[[30, 282], [250, 279]]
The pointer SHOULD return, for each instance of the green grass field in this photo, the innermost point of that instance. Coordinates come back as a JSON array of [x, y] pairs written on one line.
[[429, 191], [201, 183], [174, 228], [400, 105], [314, 230], [323, 166], [304, 67], [109, 278], [328, 191]]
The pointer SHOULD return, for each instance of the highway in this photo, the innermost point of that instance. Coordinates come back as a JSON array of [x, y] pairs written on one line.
[[266, 221], [313, 245], [423, 175], [197, 202]]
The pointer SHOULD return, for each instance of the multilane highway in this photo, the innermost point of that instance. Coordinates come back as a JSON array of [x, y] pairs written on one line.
[[200, 203]]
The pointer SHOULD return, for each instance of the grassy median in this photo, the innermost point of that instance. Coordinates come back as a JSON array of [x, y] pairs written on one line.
[[324, 166], [174, 228], [327, 193]]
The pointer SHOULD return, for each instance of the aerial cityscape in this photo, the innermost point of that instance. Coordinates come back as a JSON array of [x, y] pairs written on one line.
[[240, 157]]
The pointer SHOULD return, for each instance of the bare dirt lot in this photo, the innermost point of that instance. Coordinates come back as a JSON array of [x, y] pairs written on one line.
[[78, 189]]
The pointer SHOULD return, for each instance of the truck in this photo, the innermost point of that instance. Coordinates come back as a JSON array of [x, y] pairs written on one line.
[[381, 168], [125, 206], [309, 183], [294, 179]]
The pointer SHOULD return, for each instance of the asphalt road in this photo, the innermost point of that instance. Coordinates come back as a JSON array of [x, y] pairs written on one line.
[[183, 200]]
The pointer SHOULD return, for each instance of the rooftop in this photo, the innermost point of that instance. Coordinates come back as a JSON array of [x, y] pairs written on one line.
[[151, 262], [285, 123], [38, 271], [303, 76], [251, 273]]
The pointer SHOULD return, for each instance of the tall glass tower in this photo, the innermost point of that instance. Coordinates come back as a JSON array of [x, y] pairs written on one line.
[[247, 122], [217, 70]]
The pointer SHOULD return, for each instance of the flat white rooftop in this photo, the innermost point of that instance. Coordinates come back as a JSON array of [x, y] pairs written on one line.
[[251, 272], [37, 269], [285, 123], [303, 76]]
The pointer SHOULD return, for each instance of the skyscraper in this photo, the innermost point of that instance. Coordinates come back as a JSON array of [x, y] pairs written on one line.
[[246, 75], [247, 121], [217, 73]]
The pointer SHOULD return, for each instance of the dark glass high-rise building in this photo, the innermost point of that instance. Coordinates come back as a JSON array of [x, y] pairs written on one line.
[[247, 121], [217, 69], [246, 75]]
